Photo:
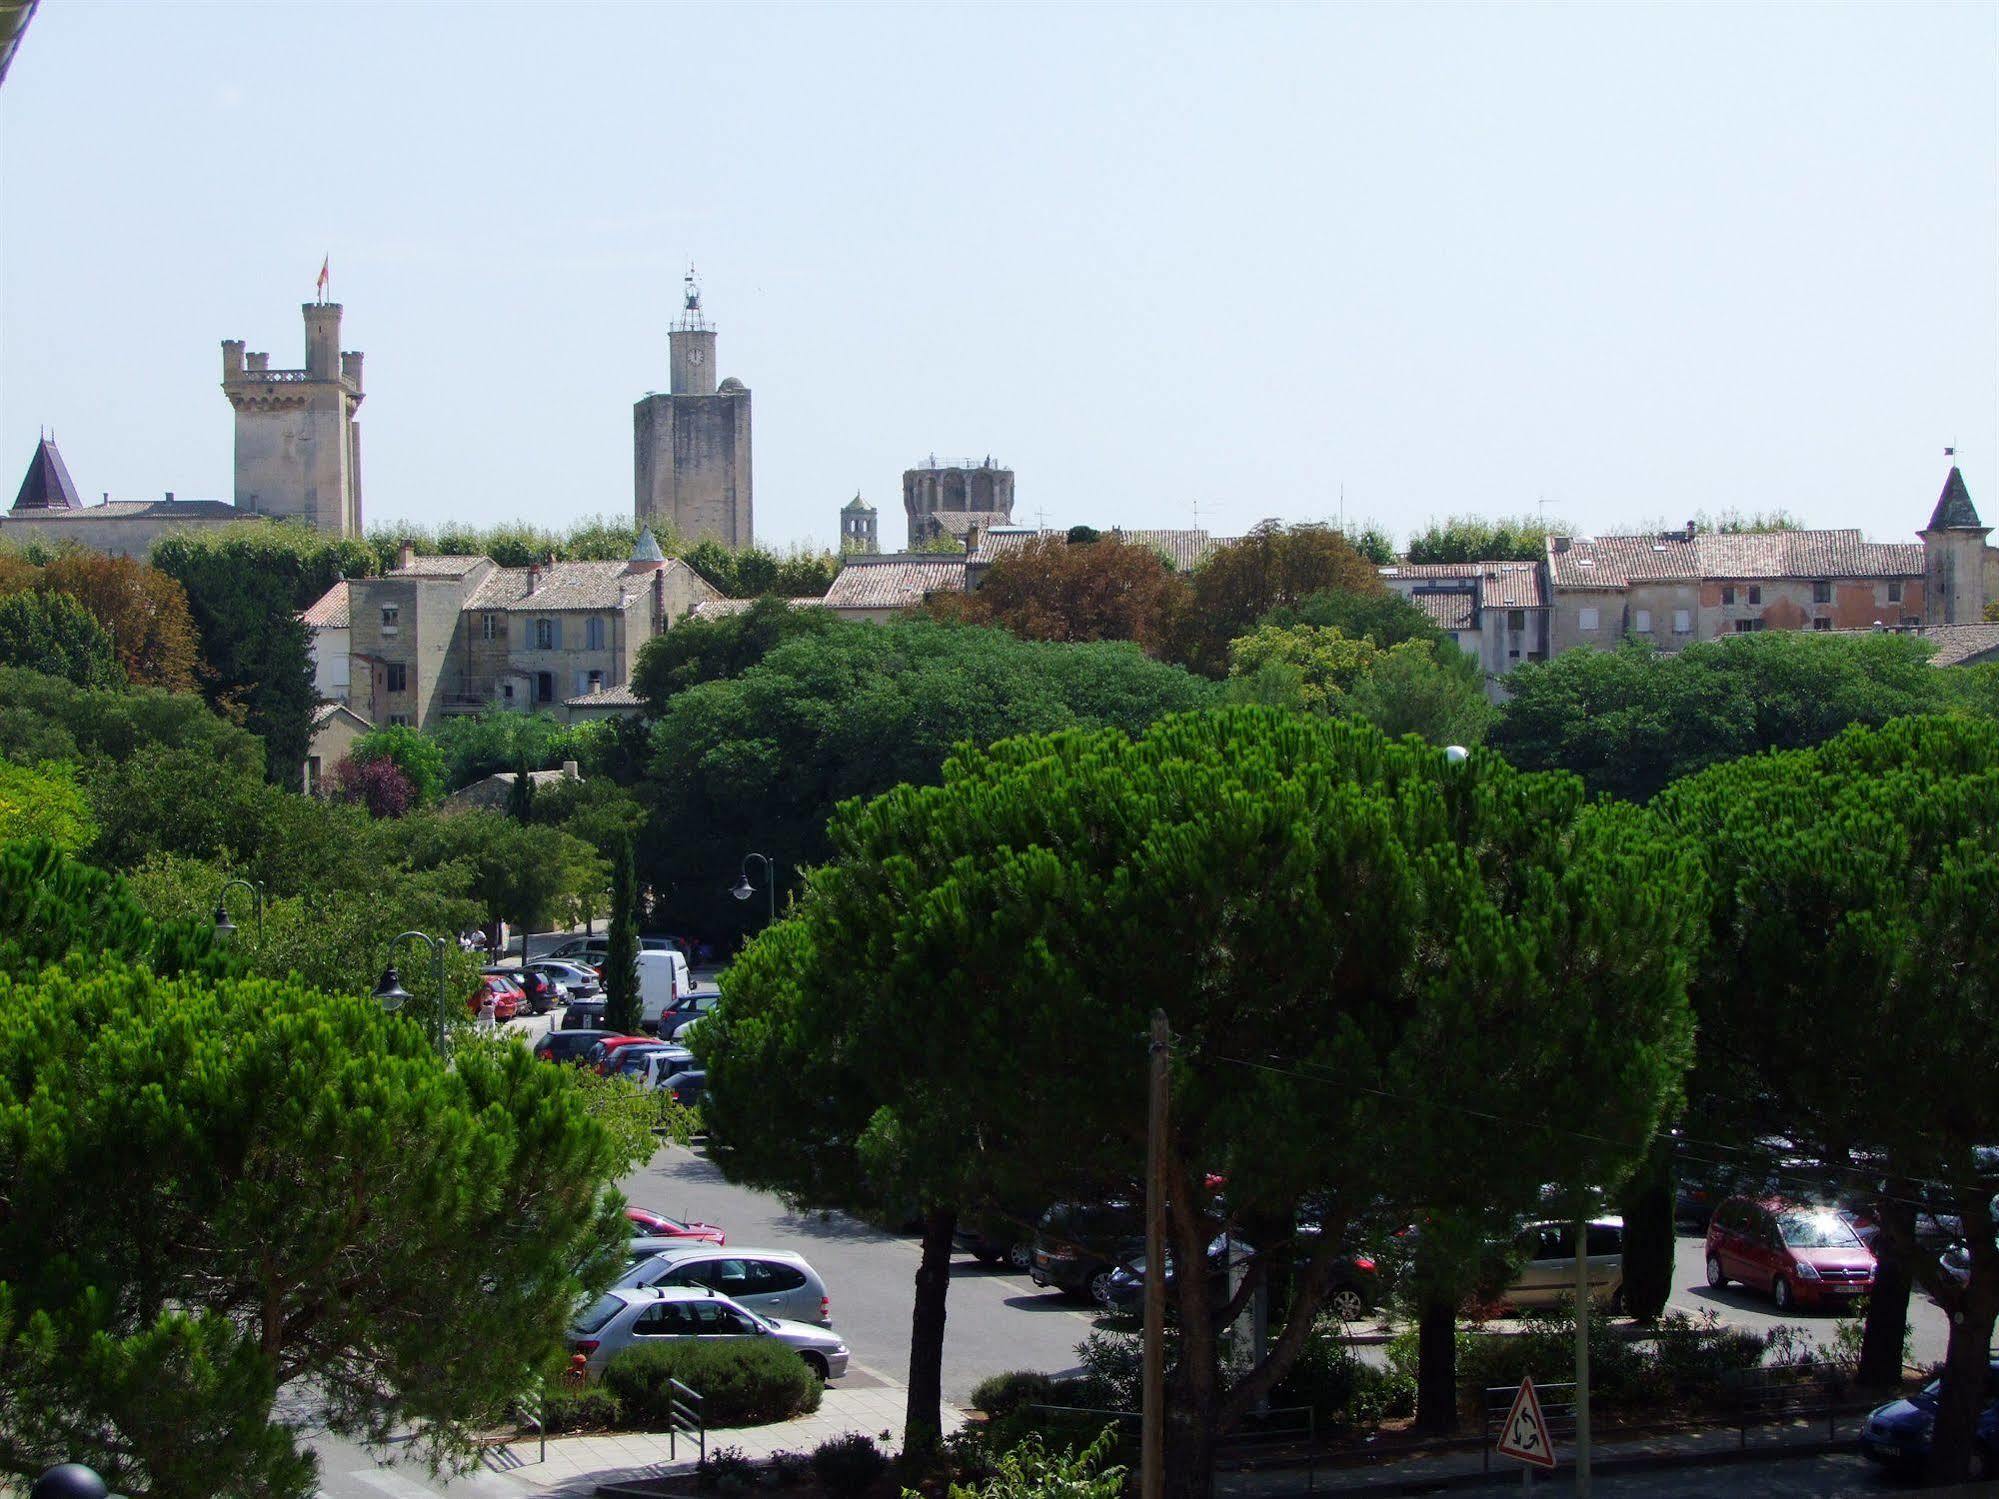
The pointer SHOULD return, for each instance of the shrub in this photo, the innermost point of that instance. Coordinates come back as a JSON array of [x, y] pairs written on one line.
[[730, 1470], [1342, 1389], [789, 1468], [1032, 1469], [1003, 1394], [850, 1465], [740, 1384], [589, 1409]]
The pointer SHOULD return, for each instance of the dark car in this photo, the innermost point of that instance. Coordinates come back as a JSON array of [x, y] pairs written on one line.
[[1897, 1435], [568, 1046], [1355, 1287], [632, 1061], [1079, 1246], [584, 1015], [687, 1087], [999, 1237]]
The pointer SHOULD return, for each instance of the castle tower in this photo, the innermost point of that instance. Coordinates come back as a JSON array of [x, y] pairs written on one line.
[[298, 444], [858, 531], [691, 446], [1954, 558], [979, 491]]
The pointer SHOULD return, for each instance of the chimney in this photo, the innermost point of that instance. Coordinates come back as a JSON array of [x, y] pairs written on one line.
[[1558, 544], [571, 771], [170, 496], [1690, 530], [405, 556], [534, 576]]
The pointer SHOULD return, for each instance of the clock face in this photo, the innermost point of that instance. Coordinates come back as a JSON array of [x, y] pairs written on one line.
[[695, 356]]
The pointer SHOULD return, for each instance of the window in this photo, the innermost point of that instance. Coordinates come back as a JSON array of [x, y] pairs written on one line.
[[399, 720], [488, 626], [544, 686], [506, 692], [1516, 619], [545, 635], [390, 615], [1586, 619], [1895, 591], [1821, 592], [1728, 596], [1748, 626], [1641, 621], [311, 774], [1683, 621], [1755, 593], [398, 677], [593, 633], [1821, 623]]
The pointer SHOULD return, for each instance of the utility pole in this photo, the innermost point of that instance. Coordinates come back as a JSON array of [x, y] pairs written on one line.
[[1582, 1353], [1152, 1463]]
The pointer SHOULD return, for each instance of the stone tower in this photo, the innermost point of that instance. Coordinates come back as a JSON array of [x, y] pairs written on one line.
[[691, 447], [858, 528], [980, 490], [1954, 558], [298, 445]]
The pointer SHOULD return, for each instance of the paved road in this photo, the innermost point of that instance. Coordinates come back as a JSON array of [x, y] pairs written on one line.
[[1828, 1476]]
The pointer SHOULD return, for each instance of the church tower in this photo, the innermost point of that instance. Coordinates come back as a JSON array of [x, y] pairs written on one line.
[[1954, 557], [298, 442], [691, 446], [859, 528]]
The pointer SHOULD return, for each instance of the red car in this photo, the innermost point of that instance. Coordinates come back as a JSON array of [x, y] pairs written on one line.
[[647, 1225], [604, 1055], [1803, 1256], [507, 997]]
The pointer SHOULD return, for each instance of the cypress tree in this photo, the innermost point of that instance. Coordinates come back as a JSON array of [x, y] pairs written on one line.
[[621, 961]]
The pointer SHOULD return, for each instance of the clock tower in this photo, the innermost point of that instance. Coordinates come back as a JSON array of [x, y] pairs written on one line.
[[691, 446]]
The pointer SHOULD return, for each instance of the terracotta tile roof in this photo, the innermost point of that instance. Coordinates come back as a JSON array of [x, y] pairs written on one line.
[[620, 696], [1958, 644], [723, 608], [444, 566], [1186, 550], [1619, 561], [1003, 541], [895, 581], [329, 611], [958, 522], [1434, 569], [167, 510], [562, 586], [1447, 611], [1511, 585]]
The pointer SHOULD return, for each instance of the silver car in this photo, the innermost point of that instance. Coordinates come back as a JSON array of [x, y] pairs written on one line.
[[1547, 1275], [633, 1317], [774, 1282]]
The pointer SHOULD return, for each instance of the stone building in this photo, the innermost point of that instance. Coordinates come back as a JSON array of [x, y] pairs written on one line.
[[691, 446], [330, 639], [441, 635], [1496, 611], [47, 509], [979, 491], [859, 528]]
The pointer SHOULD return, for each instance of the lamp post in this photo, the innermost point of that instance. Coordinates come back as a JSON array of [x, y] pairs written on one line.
[[743, 889], [224, 927], [391, 995]]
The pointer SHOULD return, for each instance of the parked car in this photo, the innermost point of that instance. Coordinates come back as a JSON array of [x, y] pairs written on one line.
[[667, 1060], [592, 950], [506, 995], [579, 979], [603, 1056], [688, 1009], [1078, 1246], [651, 1225], [999, 1237], [635, 1061], [568, 1046], [1547, 1273], [687, 1087], [1897, 1435], [774, 1282], [584, 1014], [627, 1318], [538, 993], [1803, 1256]]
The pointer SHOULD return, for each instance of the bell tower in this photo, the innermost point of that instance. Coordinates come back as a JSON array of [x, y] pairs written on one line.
[[1954, 556], [691, 446]]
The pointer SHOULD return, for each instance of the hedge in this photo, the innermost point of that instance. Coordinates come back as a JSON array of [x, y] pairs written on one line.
[[740, 1384]]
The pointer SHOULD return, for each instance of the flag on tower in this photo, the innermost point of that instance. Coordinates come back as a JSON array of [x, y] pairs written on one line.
[[325, 275]]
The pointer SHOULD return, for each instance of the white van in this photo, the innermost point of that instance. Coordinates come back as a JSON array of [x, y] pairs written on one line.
[[663, 983]]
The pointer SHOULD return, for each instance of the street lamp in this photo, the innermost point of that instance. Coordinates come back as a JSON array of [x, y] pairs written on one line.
[[1456, 754], [70, 1481], [224, 927], [743, 889], [392, 996]]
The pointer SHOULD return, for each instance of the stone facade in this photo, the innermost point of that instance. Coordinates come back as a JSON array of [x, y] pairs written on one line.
[[860, 533], [1496, 611], [298, 442], [335, 727], [982, 489], [691, 446]]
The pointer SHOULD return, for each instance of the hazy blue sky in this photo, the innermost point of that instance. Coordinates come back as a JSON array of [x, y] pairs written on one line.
[[1640, 261]]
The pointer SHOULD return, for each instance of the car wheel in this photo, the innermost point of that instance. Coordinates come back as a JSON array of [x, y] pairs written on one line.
[[1617, 1301], [1020, 1256], [987, 1256], [816, 1364], [1100, 1286], [1780, 1292], [1714, 1276], [1347, 1304]]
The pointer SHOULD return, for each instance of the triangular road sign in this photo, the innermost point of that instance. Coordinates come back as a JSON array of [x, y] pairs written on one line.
[[1524, 1437]]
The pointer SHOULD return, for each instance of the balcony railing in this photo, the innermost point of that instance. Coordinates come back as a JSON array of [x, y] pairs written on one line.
[[281, 377]]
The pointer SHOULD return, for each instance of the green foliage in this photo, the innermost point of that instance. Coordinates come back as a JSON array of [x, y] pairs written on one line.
[[590, 1408], [1003, 1394], [51, 905], [1373, 542], [746, 1383], [750, 572], [1271, 568], [142, 610], [1030, 1470], [1473, 538], [1340, 1387], [634, 1117], [1419, 687], [476, 746], [246, 584], [44, 802], [621, 956], [520, 795], [759, 761], [534, 878], [53, 633], [1630, 720], [47, 718], [1385, 618], [596, 538], [712, 650], [293, 1239], [1649, 1233], [849, 1466], [416, 755], [1325, 662]]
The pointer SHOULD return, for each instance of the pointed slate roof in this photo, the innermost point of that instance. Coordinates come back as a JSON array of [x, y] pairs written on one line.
[[1954, 511], [857, 503], [647, 548], [47, 485]]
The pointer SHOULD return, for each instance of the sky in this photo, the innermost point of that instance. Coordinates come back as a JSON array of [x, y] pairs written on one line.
[[1613, 265]]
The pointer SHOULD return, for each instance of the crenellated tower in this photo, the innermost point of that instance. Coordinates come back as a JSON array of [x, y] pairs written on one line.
[[298, 443]]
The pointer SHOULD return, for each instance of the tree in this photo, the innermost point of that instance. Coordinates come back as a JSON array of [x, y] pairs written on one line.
[[48, 718], [417, 756], [143, 611], [621, 957], [520, 795], [294, 1239], [528, 876], [378, 785], [1630, 720], [44, 802], [750, 572], [1420, 687], [1855, 883], [476, 746], [1056, 588], [54, 634], [1324, 662], [1372, 542], [1385, 618], [1368, 946], [712, 650], [51, 905], [1472, 538], [1240, 583], [759, 761]]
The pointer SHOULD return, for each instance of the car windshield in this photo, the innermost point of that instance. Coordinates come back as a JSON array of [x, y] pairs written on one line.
[[1816, 1231], [602, 1310]]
